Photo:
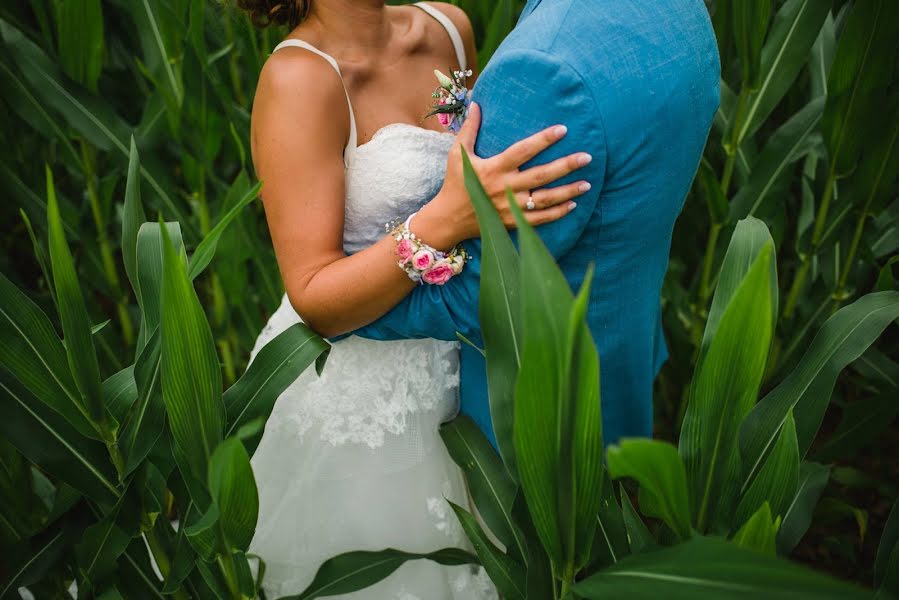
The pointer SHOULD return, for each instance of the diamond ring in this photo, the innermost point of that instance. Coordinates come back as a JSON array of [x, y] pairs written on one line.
[[530, 205]]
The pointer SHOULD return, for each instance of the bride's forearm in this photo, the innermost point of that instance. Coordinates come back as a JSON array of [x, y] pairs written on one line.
[[349, 292]]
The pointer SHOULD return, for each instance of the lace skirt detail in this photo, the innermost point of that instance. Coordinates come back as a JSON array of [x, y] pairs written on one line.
[[353, 460]]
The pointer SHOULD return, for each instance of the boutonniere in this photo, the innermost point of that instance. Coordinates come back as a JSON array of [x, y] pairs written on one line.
[[452, 100]]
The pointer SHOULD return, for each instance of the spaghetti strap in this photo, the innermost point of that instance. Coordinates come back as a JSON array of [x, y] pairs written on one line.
[[451, 29], [352, 141]]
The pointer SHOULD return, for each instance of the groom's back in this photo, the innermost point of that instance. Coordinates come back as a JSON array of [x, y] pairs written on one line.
[[650, 67]]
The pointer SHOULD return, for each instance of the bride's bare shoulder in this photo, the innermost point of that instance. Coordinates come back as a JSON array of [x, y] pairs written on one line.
[[462, 22], [300, 90], [295, 69], [295, 77]]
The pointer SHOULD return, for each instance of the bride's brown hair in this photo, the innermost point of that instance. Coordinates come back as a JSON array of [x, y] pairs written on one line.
[[275, 12]]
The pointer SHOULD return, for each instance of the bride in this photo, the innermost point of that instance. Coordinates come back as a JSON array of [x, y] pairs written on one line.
[[352, 460]]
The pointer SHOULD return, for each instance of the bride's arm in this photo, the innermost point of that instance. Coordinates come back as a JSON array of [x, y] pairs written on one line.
[[299, 134]]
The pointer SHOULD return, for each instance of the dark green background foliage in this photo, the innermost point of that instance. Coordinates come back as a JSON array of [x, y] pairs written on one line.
[[805, 140]]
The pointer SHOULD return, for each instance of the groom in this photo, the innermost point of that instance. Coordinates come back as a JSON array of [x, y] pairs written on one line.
[[636, 82]]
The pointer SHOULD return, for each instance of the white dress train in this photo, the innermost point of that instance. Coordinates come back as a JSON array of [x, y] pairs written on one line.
[[353, 460]]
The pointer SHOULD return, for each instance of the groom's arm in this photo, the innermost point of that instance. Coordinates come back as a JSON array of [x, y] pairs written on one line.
[[520, 93]]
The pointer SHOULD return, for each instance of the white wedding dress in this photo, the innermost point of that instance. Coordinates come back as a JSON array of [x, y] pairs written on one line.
[[353, 460]]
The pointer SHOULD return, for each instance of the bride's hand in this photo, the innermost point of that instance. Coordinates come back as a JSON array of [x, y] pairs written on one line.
[[450, 218]]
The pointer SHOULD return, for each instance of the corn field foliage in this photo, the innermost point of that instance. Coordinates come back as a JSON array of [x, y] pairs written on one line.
[[137, 272]]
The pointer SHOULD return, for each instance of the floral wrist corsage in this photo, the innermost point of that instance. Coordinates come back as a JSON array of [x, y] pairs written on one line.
[[422, 263], [452, 99]]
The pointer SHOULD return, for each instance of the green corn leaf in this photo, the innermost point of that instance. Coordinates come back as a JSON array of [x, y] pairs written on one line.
[[879, 169], [584, 428], [273, 369], [202, 533], [638, 535], [132, 217], [161, 36], [508, 576], [807, 390], [778, 479], [822, 58], [759, 532], [500, 24], [722, 22], [723, 124], [500, 315], [233, 489], [22, 100], [119, 394], [79, 28], [146, 418], [710, 568], [76, 324], [99, 547], [662, 478], [539, 580], [714, 195], [356, 571], [795, 29], [557, 429], [149, 273], [183, 564], [540, 401], [191, 379], [749, 238], [206, 250], [862, 69], [750, 27], [789, 143], [245, 581], [611, 543], [47, 440], [812, 480], [32, 560], [138, 579], [726, 385], [489, 484], [213, 580], [35, 356], [84, 112]]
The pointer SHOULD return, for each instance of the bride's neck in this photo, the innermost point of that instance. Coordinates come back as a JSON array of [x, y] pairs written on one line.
[[351, 24]]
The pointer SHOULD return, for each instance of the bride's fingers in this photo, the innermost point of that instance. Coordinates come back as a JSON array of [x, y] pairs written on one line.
[[542, 175], [547, 197], [521, 152], [548, 215], [468, 135]]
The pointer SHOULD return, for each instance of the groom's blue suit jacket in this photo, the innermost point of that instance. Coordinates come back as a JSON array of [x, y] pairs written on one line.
[[636, 82]]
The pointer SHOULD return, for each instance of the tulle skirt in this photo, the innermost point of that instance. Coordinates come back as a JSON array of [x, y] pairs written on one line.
[[353, 460]]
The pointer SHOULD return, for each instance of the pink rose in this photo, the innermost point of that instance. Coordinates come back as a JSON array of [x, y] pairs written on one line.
[[404, 250], [440, 274], [422, 260], [445, 119]]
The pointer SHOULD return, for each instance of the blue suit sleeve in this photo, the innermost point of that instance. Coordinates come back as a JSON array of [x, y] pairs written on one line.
[[520, 93]]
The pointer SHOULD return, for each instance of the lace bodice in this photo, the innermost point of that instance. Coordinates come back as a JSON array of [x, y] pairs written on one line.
[[390, 177]]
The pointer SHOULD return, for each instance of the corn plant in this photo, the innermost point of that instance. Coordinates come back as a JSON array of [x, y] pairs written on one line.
[[736, 474], [111, 459], [806, 140], [79, 78]]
